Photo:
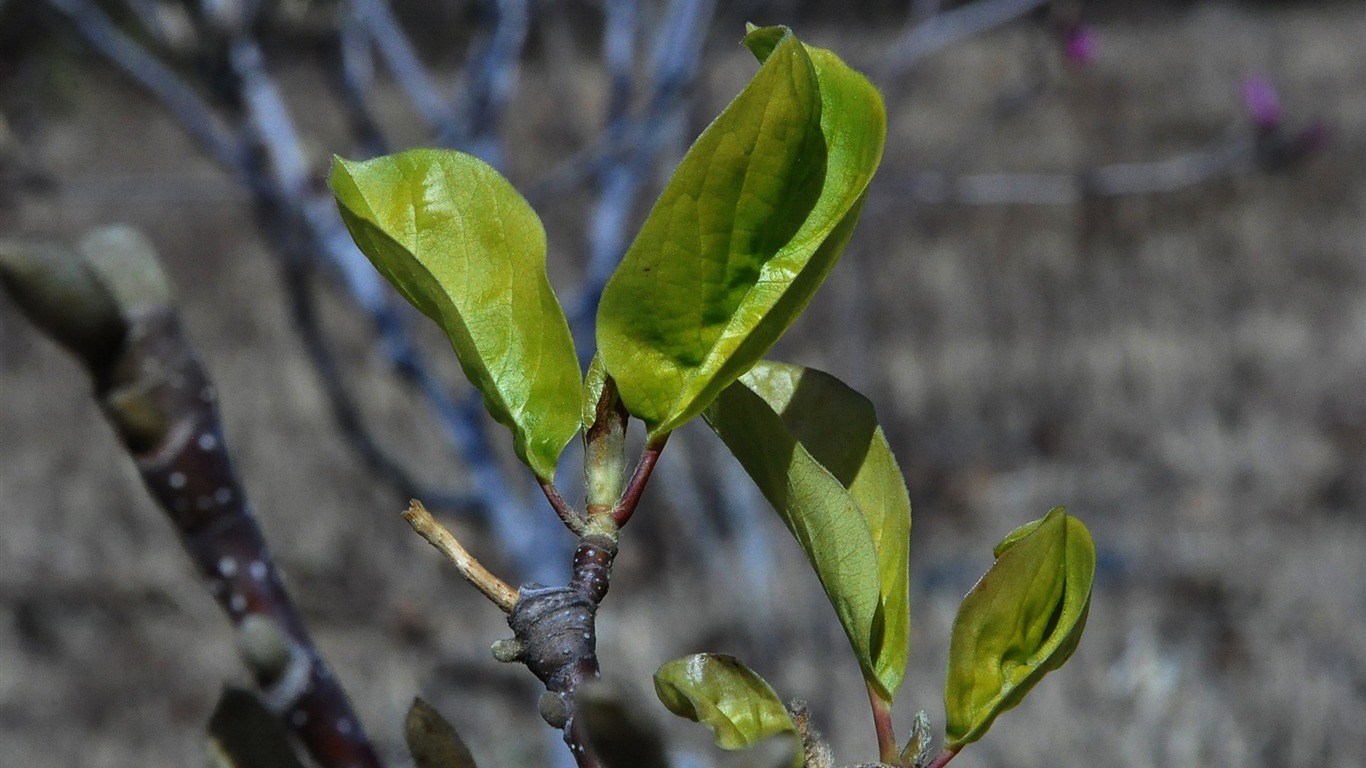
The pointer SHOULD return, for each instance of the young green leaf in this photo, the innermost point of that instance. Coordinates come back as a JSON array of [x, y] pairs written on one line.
[[752, 221], [1021, 621], [726, 696], [465, 248], [814, 448]]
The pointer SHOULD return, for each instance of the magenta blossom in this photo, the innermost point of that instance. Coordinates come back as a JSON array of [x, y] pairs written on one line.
[[1080, 44], [1263, 102]]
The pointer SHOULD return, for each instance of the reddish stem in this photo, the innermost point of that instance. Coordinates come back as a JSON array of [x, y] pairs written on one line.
[[942, 758], [882, 721], [567, 514], [630, 498]]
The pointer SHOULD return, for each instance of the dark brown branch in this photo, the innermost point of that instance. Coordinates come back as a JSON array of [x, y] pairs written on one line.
[[112, 307], [165, 409]]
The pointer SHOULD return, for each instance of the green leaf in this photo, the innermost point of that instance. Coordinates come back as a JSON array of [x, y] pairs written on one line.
[[726, 696], [432, 741], [814, 448], [752, 221], [593, 383], [1021, 621], [465, 248]]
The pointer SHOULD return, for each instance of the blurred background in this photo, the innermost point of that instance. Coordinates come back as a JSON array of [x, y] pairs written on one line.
[[1115, 259]]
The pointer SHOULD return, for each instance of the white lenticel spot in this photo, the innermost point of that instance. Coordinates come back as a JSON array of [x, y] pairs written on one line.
[[227, 567], [237, 603], [207, 442], [257, 569], [344, 726], [223, 495], [177, 479]]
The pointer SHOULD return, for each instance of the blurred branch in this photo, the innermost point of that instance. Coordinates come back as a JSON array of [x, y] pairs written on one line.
[[301, 222], [1115, 180], [354, 78], [193, 114], [490, 79], [111, 306], [402, 62], [924, 38]]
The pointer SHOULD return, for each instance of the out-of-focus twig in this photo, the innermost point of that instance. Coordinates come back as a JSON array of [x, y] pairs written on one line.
[[491, 76], [189, 109], [924, 38], [1114, 180], [403, 63]]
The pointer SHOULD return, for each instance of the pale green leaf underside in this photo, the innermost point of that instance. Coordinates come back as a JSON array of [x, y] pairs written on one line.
[[750, 224], [1021, 621], [726, 696], [466, 249], [814, 448]]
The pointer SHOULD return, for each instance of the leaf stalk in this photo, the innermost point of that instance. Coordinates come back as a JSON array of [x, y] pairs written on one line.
[[942, 759], [882, 721], [631, 497]]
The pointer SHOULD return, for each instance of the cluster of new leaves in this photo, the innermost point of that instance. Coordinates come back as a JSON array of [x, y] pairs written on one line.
[[748, 227]]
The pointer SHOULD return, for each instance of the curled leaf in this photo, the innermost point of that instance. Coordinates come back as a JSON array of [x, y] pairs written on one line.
[[728, 697], [813, 446], [748, 227], [1021, 621], [244, 734], [432, 740], [465, 248]]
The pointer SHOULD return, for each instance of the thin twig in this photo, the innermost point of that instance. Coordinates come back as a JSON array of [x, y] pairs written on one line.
[[439, 536]]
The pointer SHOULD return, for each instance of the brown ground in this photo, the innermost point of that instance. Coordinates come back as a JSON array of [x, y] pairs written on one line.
[[1184, 371]]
